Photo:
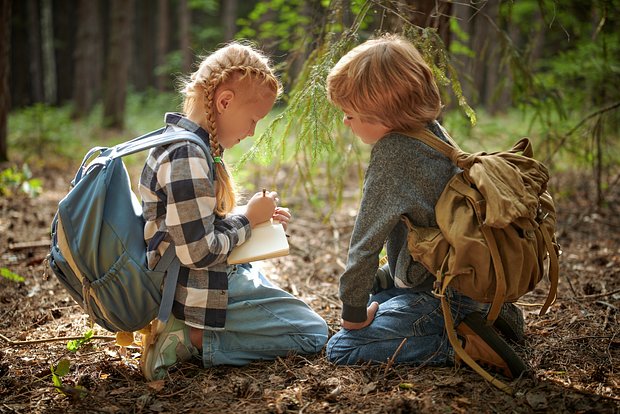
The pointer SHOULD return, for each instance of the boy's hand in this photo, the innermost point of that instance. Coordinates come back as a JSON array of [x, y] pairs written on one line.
[[370, 316], [261, 207]]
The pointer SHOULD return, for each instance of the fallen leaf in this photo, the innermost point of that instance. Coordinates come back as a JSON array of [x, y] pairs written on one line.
[[157, 385]]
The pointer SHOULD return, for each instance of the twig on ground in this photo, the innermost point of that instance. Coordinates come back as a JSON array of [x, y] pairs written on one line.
[[336, 304], [340, 263], [609, 305], [55, 339], [570, 284], [580, 338], [599, 295], [393, 358], [29, 244], [286, 367], [528, 304], [607, 313], [175, 393]]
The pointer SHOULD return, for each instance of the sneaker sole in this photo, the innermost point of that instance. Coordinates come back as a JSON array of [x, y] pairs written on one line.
[[148, 353]]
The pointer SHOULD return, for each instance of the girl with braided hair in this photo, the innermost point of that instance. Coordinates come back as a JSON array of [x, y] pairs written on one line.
[[221, 314]]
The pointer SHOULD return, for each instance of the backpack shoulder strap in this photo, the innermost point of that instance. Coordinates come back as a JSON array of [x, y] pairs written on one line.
[[152, 140], [170, 264], [147, 141], [451, 150]]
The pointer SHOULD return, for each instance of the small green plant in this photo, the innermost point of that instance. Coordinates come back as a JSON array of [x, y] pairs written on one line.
[[62, 368], [7, 274], [76, 344], [59, 371], [13, 181]]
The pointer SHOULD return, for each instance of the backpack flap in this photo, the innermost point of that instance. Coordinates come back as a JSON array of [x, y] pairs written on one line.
[[511, 182]]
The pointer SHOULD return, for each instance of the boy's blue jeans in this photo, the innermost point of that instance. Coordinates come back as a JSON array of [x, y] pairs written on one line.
[[262, 323], [402, 314]]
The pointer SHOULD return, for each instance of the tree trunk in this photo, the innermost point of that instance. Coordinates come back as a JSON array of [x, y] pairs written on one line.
[[492, 59], [49, 57], [65, 32], [163, 34], [144, 55], [87, 58], [117, 63], [463, 63], [34, 50], [185, 43], [431, 13], [229, 18], [479, 44], [5, 68], [313, 12], [423, 13]]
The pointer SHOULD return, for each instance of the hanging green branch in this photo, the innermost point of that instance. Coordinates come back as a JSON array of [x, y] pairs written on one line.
[[310, 129]]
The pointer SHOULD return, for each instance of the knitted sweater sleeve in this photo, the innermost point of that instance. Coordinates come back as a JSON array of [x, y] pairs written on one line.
[[404, 176]]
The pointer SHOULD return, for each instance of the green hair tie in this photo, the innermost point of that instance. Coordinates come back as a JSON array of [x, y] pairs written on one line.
[[217, 160]]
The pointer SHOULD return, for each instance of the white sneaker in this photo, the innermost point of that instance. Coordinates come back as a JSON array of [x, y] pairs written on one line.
[[162, 350]]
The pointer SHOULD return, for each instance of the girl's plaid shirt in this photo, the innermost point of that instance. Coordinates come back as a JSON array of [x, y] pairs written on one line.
[[178, 200]]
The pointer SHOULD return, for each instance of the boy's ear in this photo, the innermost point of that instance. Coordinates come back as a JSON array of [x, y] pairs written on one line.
[[223, 99]]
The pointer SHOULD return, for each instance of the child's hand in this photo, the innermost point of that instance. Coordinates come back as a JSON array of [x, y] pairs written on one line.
[[282, 215], [370, 316], [261, 207]]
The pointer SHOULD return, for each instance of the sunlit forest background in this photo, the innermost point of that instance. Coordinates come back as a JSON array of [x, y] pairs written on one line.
[[75, 74], [79, 73]]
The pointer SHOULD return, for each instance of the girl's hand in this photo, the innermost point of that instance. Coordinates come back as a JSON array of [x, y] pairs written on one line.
[[370, 316], [261, 207], [282, 215]]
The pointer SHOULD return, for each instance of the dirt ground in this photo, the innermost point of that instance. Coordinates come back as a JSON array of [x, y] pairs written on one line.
[[573, 350]]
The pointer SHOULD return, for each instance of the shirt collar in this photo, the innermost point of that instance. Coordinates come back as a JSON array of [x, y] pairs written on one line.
[[178, 119]]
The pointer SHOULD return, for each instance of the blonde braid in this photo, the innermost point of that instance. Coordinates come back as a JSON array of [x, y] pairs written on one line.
[[233, 62], [225, 192]]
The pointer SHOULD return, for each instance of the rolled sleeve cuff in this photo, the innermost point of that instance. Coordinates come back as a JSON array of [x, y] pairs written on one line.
[[354, 313], [242, 223]]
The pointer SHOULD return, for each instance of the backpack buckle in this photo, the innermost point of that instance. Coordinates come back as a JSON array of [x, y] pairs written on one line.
[[541, 215], [437, 289]]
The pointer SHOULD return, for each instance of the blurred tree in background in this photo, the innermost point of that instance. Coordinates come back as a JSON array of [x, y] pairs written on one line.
[[5, 42], [555, 60]]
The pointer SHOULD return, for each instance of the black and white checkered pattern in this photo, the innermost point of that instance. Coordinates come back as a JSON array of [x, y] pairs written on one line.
[[178, 200]]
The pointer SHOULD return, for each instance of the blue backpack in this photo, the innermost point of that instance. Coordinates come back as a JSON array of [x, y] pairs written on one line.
[[98, 250]]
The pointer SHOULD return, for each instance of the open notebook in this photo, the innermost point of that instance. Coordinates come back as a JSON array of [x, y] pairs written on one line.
[[268, 240]]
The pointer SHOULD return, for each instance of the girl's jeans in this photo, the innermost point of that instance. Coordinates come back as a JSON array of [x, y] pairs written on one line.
[[262, 323], [402, 313]]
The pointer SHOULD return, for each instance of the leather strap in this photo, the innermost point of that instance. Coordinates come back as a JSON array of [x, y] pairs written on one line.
[[458, 349], [554, 270], [500, 276]]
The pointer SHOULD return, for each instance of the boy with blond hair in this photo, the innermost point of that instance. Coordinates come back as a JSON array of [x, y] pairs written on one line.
[[386, 89]]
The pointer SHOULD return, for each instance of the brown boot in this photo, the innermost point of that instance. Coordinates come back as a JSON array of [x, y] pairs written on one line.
[[487, 348]]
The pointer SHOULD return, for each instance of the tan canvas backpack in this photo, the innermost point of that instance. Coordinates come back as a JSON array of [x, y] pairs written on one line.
[[496, 232]]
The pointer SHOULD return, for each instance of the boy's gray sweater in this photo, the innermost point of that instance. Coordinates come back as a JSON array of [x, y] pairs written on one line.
[[404, 176]]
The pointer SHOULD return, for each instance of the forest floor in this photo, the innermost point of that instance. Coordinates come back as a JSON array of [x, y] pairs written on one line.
[[573, 350]]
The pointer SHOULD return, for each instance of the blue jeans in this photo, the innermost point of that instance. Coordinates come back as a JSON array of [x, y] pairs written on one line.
[[262, 323], [402, 314]]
